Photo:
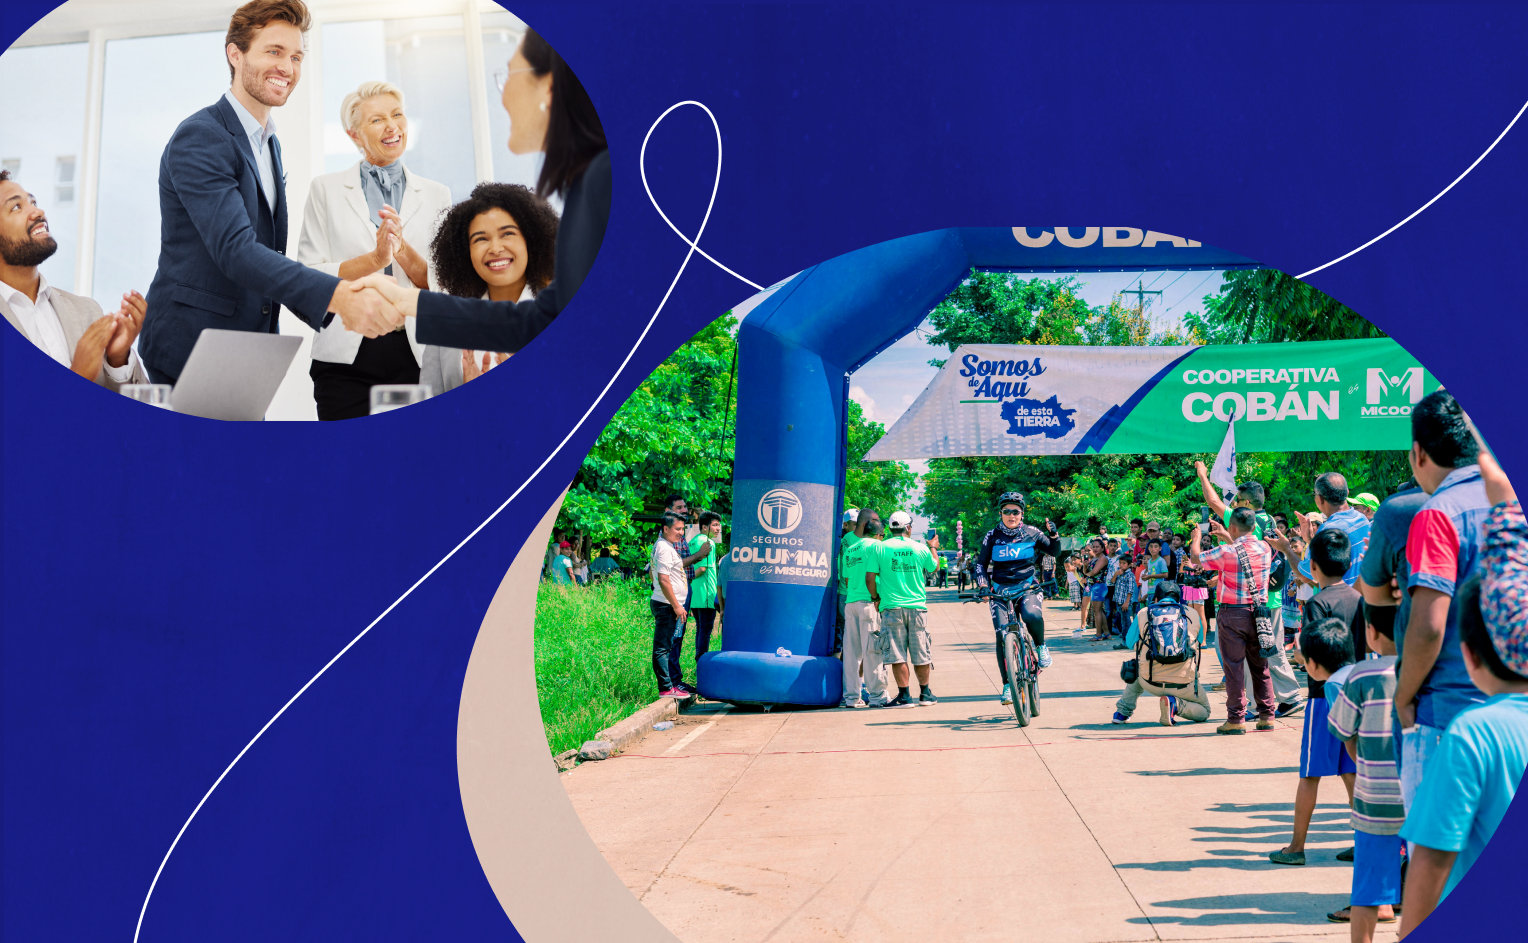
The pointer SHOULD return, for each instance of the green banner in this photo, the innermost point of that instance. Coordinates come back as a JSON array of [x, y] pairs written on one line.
[[1327, 395]]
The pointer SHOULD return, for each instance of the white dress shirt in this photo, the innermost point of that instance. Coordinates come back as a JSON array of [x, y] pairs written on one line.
[[44, 329], [259, 139]]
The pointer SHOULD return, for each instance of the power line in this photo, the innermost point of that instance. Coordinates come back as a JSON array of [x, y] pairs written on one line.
[[1189, 293], [1176, 280]]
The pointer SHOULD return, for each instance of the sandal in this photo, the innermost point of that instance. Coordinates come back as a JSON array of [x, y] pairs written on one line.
[[1345, 915]]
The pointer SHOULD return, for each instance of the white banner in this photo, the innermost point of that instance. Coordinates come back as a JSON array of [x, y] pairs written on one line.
[[992, 399]]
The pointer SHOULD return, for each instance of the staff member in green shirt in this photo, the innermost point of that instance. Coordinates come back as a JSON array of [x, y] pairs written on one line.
[[846, 536], [703, 590], [895, 579], [862, 627]]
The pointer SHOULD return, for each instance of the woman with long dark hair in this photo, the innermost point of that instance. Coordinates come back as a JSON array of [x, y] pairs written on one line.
[[549, 111]]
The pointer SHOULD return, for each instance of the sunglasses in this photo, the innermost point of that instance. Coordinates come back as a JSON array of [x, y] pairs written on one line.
[[1013, 510]]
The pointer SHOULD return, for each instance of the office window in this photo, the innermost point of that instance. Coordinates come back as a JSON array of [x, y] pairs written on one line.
[[186, 72], [64, 184], [501, 37], [43, 120]]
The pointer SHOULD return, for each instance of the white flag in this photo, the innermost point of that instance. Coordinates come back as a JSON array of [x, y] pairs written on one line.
[[1224, 471]]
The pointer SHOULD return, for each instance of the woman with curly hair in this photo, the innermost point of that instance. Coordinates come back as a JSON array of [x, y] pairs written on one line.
[[498, 244], [549, 111]]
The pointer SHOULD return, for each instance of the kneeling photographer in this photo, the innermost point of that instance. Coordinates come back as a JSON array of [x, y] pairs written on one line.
[[1167, 637]]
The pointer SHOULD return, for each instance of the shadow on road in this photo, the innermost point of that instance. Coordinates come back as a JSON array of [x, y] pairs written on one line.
[[1340, 831], [1216, 771], [979, 722], [1234, 909]]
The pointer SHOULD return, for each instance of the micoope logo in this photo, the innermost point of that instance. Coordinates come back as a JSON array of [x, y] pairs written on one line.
[[1380, 389], [779, 511]]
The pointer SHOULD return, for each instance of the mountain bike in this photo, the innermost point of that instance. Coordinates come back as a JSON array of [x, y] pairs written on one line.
[[1020, 655]]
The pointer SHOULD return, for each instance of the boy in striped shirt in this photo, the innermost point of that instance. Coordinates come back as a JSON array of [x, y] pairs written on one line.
[[1124, 593], [1360, 716]]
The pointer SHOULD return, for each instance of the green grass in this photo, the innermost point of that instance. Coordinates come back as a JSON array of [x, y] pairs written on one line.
[[594, 650]]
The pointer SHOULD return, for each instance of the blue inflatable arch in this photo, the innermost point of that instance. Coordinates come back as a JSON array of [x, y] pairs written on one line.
[[796, 350]]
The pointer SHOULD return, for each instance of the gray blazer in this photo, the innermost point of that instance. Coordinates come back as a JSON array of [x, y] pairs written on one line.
[[440, 368], [76, 313]]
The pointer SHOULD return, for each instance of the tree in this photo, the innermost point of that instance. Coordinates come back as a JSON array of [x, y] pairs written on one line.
[[881, 485], [675, 433], [1004, 308], [1116, 501], [1264, 306]]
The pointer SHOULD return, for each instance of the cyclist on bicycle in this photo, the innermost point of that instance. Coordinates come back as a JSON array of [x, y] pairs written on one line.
[[1009, 558]]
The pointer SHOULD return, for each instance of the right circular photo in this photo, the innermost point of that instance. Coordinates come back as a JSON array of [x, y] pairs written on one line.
[[1069, 584]]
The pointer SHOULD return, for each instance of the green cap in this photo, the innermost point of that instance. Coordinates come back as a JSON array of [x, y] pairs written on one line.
[[1365, 500]]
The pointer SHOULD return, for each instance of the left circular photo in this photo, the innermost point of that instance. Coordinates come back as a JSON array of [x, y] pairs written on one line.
[[324, 211]]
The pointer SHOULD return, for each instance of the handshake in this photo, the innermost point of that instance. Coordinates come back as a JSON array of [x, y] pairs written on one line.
[[374, 305]]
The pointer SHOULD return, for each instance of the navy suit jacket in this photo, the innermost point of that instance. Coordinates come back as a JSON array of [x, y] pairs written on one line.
[[222, 255]]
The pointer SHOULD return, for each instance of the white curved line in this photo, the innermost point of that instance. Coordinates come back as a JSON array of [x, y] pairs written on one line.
[[539, 468], [1424, 206], [642, 165]]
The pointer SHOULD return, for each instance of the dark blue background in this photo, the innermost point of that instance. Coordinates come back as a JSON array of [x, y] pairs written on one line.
[[169, 583]]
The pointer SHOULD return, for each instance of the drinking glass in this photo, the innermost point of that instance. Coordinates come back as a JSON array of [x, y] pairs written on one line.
[[154, 394], [387, 398]]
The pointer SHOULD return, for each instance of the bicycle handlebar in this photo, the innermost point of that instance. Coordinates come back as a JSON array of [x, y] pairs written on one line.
[[990, 593]]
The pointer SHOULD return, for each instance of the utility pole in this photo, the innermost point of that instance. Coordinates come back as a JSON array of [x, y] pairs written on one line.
[[1140, 296], [1140, 300]]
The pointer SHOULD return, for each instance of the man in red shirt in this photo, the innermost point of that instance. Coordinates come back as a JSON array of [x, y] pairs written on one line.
[[1137, 541], [1243, 564]]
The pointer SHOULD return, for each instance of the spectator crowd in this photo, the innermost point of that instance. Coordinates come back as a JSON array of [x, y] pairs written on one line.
[[1407, 617]]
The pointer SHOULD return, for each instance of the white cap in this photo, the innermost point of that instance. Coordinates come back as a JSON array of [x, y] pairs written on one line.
[[901, 520], [851, 515]]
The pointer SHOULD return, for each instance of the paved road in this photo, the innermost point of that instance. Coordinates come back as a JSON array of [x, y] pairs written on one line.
[[950, 823]]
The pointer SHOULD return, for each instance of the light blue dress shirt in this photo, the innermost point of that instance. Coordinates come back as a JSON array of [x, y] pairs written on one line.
[[259, 139]]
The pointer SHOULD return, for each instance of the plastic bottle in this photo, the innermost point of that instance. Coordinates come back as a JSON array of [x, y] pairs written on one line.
[[664, 725]]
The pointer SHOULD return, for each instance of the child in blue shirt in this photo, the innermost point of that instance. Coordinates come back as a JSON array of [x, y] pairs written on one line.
[[1327, 647], [1484, 750]]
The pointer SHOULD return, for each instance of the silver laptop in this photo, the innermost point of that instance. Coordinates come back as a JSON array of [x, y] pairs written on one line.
[[233, 374]]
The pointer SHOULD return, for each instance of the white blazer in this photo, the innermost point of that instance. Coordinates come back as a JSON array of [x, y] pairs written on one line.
[[337, 227]]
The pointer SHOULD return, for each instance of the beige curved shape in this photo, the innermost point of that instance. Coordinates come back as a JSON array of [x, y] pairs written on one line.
[[547, 873]]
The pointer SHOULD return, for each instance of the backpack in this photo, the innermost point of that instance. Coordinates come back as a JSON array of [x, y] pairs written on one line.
[[1278, 573], [1166, 636]]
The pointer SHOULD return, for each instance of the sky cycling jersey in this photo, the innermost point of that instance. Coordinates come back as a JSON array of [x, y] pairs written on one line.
[[1011, 560]]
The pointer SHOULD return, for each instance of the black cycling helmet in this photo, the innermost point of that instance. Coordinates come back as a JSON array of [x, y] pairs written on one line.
[[1010, 497]]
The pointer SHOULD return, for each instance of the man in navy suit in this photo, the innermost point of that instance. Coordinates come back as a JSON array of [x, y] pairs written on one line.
[[223, 209]]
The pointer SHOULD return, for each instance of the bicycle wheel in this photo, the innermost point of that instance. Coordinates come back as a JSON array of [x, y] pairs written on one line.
[[1018, 679], [1032, 682]]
